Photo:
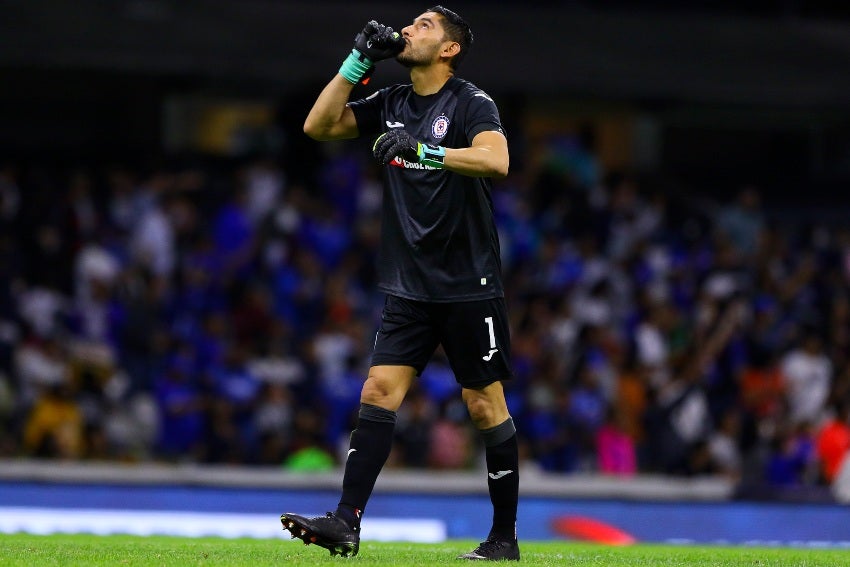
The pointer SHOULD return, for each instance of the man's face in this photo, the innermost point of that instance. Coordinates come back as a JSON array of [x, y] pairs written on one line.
[[425, 40]]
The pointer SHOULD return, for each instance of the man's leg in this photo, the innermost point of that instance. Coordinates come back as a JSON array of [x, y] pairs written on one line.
[[372, 440], [489, 413], [370, 446]]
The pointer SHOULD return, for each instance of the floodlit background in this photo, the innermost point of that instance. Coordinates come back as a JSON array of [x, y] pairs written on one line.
[[187, 281]]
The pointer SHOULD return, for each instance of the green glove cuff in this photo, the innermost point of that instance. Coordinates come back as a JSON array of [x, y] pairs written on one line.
[[355, 66], [431, 155]]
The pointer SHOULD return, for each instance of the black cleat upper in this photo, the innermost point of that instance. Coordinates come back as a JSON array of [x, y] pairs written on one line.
[[493, 549], [327, 531]]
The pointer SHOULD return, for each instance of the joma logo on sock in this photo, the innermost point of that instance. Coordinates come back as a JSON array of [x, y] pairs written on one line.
[[498, 475]]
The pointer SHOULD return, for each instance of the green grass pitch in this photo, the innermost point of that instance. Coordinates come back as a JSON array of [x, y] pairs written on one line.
[[32, 550]]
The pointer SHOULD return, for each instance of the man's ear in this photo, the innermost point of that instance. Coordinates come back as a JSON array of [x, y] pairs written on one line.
[[452, 49]]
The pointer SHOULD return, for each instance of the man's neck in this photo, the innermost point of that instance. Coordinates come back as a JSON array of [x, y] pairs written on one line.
[[429, 80]]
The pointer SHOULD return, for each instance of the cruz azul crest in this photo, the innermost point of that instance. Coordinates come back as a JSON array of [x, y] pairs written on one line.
[[440, 126]]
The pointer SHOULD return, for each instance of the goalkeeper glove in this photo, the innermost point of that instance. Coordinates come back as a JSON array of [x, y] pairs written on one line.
[[374, 43], [399, 143]]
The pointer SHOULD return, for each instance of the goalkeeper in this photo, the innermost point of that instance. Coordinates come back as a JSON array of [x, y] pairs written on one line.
[[439, 262]]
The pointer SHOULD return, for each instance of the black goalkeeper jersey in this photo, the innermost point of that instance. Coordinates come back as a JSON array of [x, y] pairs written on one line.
[[438, 236]]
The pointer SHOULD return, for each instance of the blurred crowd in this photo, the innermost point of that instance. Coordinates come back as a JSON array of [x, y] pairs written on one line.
[[222, 312]]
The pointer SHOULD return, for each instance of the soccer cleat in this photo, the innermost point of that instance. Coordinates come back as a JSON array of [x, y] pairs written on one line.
[[493, 549], [327, 531]]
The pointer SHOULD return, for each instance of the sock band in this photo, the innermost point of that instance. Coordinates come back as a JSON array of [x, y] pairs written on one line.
[[370, 412], [499, 434]]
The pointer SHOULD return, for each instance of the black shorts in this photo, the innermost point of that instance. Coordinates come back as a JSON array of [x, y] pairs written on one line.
[[475, 336]]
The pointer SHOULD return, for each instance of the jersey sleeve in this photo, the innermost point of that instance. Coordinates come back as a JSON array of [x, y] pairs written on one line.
[[481, 115], [367, 113]]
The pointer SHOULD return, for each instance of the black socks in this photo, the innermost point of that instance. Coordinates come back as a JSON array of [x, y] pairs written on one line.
[[502, 455], [370, 446]]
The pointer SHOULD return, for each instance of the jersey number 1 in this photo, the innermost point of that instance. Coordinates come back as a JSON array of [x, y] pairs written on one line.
[[493, 350], [489, 321]]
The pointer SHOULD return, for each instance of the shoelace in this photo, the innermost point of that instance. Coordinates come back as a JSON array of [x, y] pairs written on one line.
[[491, 545], [338, 519]]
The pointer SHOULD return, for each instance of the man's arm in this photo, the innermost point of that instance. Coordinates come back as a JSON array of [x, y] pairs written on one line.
[[331, 118], [486, 157]]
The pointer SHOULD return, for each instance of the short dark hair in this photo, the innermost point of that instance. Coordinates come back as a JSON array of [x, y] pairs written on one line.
[[456, 30]]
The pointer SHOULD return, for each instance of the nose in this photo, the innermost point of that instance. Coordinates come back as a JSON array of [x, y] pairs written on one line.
[[405, 31]]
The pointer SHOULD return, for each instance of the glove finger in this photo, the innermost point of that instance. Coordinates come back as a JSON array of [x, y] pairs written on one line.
[[379, 149], [395, 150], [377, 35], [371, 27], [388, 153], [386, 34], [389, 150], [382, 141], [391, 41]]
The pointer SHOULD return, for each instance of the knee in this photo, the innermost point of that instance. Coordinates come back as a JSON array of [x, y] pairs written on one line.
[[382, 392], [487, 407], [481, 411]]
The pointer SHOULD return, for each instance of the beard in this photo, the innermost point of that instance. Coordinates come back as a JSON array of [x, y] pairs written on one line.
[[407, 60], [410, 58]]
